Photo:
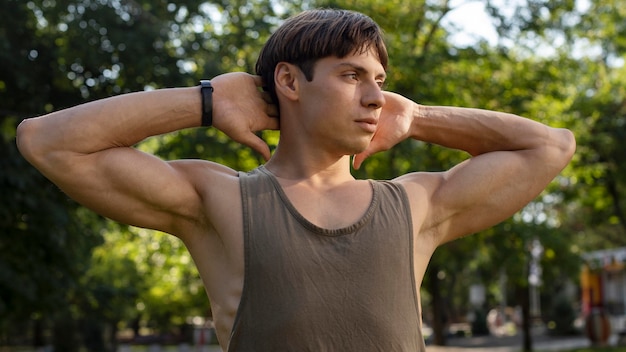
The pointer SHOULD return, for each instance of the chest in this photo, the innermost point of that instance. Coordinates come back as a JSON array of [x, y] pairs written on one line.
[[304, 275], [332, 208]]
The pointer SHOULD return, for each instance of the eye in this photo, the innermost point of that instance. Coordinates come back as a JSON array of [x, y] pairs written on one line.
[[352, 76]]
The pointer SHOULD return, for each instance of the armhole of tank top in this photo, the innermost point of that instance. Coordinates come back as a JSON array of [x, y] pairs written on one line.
[[243, 185], [409, 214]]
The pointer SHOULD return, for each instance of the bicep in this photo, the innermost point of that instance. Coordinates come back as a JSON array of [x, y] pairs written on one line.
[[129, 186], [483, 191]]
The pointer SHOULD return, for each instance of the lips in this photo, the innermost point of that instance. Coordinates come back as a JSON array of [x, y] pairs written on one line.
[[368, 124]]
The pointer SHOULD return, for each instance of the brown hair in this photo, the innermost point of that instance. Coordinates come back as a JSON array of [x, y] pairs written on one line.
[[316, 34]]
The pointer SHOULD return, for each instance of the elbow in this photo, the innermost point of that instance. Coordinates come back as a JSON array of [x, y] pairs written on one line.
[[26, 140], [22, 137], [569, 143], [566, 142]]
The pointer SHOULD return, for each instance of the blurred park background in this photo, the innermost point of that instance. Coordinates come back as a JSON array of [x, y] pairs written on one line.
[[73, 280]]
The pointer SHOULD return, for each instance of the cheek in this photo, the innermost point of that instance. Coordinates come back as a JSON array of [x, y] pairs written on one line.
[[339, 100], [329, 101], [322, 103]]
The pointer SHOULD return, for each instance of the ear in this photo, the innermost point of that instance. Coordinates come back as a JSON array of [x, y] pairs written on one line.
[[286, 77]]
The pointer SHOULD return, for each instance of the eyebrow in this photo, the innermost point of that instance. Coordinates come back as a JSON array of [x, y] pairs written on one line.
[[360, 69]]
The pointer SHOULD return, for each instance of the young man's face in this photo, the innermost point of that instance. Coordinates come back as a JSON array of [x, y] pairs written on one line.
[[342, 103]]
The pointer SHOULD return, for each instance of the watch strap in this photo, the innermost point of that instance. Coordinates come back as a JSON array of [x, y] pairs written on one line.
[[206, 90]]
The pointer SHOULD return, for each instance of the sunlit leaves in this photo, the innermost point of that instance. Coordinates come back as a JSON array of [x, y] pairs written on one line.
[[558, 62], [45, 240]]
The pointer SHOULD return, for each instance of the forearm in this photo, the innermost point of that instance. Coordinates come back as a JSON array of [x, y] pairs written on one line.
[[239, 110], [475, 131], [478, 131], [113, 122]]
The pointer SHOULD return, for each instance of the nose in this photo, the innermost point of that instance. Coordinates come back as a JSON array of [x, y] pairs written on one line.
[[372, 96]]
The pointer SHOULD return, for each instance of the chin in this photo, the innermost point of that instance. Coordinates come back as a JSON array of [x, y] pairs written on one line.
[[358, 149], [356, 146]]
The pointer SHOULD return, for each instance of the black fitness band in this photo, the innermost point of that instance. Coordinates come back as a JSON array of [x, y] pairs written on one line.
[[206, 90]]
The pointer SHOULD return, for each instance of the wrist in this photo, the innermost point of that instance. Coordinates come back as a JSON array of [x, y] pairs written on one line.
[[206, 93], [419, 121]]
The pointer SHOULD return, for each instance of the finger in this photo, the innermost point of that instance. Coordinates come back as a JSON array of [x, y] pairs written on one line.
[[267, 97], [256, 143], [272, 110], [258, 80], [374, 147], [356, 164], [358, 159], [273, 123]]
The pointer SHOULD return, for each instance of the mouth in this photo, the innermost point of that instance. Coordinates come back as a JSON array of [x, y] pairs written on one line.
[[368, 124]]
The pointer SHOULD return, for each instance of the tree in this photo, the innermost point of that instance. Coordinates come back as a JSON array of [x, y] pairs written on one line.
[[62, 53], [554, 61], [45, 238], [511, 76]]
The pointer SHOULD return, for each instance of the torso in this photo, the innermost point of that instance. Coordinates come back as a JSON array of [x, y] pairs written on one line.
[[220, 258], [331, 208]]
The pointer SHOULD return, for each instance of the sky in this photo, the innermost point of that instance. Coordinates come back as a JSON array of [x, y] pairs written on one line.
[[473, 22]]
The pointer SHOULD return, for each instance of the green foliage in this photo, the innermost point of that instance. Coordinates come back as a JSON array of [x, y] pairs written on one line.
[[543, 67], [45, 241], [61, 53], [554, 62], [138, 272]]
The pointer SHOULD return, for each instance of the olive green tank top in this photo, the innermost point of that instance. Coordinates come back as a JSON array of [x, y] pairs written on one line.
[[308, 288]]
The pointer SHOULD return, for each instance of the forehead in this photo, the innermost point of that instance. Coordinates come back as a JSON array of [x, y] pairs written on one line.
[[366, 61]]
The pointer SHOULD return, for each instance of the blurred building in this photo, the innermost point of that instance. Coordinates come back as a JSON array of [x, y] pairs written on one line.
[[603, 286]]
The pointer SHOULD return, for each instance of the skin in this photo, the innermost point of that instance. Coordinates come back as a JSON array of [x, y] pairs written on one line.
[[87, 151]]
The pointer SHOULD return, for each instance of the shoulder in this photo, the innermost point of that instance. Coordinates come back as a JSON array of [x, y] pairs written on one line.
[[205, 175], [208, 178], [421, 188], [205, 167], [216, 185]]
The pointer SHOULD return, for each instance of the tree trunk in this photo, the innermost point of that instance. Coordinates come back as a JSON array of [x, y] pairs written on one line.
[[38, 334], [439, 324], [523, 298]]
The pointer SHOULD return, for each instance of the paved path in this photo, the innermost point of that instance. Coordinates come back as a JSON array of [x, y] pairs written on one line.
[[513, 344], [460, 344]]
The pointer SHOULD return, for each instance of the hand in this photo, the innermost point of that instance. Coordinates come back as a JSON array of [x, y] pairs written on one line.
[[394, 126], [240, 109]]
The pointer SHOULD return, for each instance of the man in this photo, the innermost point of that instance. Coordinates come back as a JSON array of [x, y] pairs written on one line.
[[297, 255]]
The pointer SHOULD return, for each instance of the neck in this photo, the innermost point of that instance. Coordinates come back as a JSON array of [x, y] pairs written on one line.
[[288, 164]]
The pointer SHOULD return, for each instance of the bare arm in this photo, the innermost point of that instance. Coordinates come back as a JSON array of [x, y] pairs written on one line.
[[87, 150], [514, 159]]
